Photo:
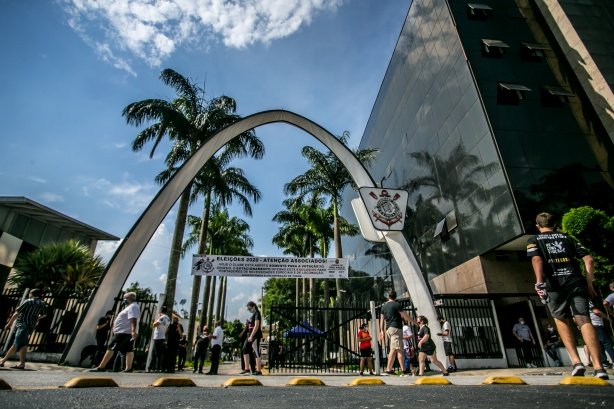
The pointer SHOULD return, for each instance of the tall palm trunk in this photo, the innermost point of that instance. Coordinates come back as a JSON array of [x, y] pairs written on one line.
[[196, 282], [218, 309], [175, 256], [211, 301], [222, 318]]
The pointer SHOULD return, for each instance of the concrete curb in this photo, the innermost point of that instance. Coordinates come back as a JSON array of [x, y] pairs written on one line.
[[242, 382], [581, 380], [166, 381], [91, 383], [366, 381], [503, 380], [305, 382]]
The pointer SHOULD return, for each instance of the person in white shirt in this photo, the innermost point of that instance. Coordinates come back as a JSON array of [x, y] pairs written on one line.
[[408, 349], [125, 332], [217, 339], [446, 334], [159, 337]]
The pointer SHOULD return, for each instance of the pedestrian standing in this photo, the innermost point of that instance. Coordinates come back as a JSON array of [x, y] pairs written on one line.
[[173, 335], [200, 349], [102, 335], [553, 342], [252, 343], [560, 284], [182, 352], [601, 322], [391, 324], [366, 351], [426, 347], [526, 342], [160, 325], [217, 340], [125, 332], [409, 353], [27, 315], [446, 334]]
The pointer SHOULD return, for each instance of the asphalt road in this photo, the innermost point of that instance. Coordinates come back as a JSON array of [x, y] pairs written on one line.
[[310, 397]]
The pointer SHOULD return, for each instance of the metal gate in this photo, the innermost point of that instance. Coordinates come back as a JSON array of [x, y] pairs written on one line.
[[318, 339]]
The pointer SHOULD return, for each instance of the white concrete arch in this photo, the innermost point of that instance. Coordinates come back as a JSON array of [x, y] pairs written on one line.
[[134, 243]]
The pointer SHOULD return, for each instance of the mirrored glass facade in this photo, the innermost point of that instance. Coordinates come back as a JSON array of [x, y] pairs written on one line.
[[483, 156]]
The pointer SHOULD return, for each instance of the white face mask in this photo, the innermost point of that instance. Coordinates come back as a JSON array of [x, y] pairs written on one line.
[[522, 322]]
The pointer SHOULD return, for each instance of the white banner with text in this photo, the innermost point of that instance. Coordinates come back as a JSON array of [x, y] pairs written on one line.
[[278, 267]]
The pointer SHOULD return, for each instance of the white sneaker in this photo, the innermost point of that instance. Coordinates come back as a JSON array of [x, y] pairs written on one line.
[[529, 366]]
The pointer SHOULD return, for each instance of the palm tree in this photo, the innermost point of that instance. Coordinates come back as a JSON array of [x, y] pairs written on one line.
[[226, 235], [328, 177], [63, 269], [187, 121], [219, 182]]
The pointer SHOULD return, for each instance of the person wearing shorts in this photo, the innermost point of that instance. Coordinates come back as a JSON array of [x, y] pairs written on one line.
[[366, 352], [560, 284], [426, 347], [391, 324], [26, 316], [125, 332]]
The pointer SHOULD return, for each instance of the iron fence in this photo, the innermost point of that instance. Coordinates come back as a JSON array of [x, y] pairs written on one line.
[[52, 333]]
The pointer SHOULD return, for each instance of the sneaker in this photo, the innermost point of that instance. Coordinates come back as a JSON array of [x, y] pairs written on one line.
[[601, 374], [360, 373], [245, 372], [578, 370], [607, 365], [257, 373], [451, 369], [371, 373], [127, 370], [389, 372]]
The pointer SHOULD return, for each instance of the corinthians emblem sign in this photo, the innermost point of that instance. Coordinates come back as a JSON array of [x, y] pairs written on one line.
[[386, 207]]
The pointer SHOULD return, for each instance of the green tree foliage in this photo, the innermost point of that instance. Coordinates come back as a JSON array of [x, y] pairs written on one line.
[[279, 291], [63, 268], [141, 293], [595, 230]]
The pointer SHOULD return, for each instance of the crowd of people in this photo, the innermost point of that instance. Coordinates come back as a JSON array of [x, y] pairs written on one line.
[[566, 289]]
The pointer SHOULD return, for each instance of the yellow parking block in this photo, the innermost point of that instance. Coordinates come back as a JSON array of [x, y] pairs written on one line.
[[367, 381], [242, 382], [432, 380], [4, 386], [305, 381], [91, 383], [504, 380], [168, 381], [581, 380]]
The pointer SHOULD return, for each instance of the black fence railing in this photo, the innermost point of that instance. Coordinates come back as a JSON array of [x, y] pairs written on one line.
[[474, 328], [52, 333]]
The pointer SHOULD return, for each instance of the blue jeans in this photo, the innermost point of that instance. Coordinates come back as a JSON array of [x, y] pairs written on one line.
[[605, 340]]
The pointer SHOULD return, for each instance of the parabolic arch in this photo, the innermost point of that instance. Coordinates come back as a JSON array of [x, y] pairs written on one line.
[[134, 243]]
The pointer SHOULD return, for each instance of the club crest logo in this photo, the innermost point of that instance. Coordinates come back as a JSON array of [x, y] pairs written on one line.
[[203, 264], [386, 209]]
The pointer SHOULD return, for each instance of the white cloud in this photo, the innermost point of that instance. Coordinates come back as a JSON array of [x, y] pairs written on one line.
[[151, 30], [128, 196], [49, 197], [37, 179]]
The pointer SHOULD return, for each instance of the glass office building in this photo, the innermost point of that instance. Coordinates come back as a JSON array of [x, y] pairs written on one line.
[[488, 114]]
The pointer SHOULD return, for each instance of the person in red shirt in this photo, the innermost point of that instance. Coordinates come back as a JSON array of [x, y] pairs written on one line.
[[366, 352]]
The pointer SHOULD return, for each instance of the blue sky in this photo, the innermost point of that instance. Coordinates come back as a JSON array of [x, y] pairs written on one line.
[[70, 67]]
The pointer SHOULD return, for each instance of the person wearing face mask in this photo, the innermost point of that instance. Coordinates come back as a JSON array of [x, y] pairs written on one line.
[[252, 343], [125, 332], [553, 342], [523, 334]]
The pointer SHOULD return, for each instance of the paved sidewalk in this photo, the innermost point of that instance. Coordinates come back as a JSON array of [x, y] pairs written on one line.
[[42, 375]]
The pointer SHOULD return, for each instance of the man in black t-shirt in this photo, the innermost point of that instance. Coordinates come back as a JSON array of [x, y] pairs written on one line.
[[560, 285], [391, 324], [102, 335]]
